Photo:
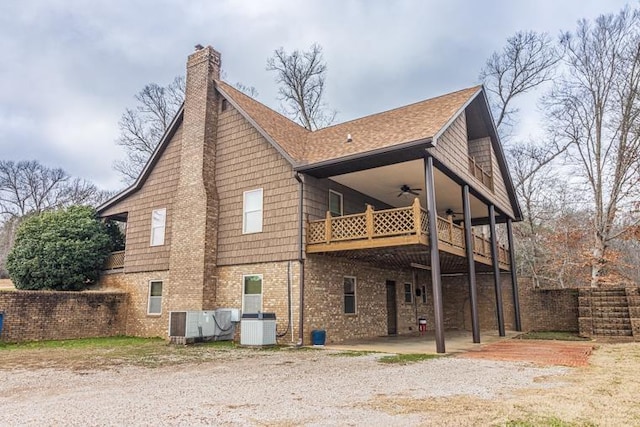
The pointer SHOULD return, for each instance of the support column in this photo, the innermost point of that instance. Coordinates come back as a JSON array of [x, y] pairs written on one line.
[[514, 276], [468, 242], [496, 269], [436, 279]]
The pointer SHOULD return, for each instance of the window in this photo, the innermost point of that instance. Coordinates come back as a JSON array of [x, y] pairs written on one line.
[[158, 221], [350, 295], [424, 294], [252, 293], [252, 211], [224, 105], [335, 203], [155, 297], [408, 292]]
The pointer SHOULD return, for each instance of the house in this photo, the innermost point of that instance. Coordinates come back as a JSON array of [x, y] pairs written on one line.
[[359, 229]]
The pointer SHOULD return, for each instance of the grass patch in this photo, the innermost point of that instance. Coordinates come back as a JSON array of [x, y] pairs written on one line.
[[552, 335], [221, 345], [82, 343], [406, 358], [353, 353], [547, 421]]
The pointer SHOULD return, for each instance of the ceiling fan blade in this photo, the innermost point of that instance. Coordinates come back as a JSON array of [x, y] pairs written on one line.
[[413, 192], [401, 193]]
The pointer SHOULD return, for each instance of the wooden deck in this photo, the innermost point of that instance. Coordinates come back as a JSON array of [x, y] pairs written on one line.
[[395, 228]]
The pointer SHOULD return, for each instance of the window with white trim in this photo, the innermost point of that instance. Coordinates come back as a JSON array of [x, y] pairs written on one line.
[[158, 222], [335, 203], [252, 211], [408, 292], [154, 305], [349, 284], [252, 293]]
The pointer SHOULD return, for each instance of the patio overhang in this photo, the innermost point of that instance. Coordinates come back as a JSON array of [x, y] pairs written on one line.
[[367, 160]]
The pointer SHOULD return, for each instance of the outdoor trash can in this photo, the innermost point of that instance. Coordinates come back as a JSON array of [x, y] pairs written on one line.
[[318, 336]]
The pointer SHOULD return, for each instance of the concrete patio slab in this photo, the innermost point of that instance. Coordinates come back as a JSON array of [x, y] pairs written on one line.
[[455, 342]]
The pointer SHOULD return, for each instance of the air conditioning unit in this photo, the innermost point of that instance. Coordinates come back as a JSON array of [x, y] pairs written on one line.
[[258, 329], [216, 325]]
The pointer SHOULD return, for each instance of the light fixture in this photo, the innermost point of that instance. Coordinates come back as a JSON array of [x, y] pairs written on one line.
[[349, 139]]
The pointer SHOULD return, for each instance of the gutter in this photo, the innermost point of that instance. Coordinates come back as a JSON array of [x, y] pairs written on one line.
[[298, 178]]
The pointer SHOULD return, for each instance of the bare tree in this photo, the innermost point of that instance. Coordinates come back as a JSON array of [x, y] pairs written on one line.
[[28, 187], [142, 127], [301, 76], [526, 61], [594, 107]]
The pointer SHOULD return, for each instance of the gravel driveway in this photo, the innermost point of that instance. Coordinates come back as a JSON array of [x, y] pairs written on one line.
[[258, 388]]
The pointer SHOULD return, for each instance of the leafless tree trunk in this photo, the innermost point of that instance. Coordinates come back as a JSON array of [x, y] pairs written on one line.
[[594, 108], [301, 76]]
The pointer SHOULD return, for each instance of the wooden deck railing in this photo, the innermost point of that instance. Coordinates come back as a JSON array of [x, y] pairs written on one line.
[[114, 260], [481, 174], [412, 220]]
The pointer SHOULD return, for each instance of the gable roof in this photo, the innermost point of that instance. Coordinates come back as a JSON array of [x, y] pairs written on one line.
[[415, 122]]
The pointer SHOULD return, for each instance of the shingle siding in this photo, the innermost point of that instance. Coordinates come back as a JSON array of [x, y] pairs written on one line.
[[157, 192], [452, 150], [246, 161]]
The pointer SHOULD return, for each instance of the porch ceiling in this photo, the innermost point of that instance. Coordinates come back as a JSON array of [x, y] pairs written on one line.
[[401, 257], [384, 182]]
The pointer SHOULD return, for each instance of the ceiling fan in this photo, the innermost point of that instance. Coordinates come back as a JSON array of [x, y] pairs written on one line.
[[405, 189], [451, 212]]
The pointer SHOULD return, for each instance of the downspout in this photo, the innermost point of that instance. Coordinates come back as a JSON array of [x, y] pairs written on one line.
[[298, 178]]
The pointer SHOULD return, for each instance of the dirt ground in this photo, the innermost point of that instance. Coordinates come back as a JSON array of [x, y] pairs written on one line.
[[152, 383]]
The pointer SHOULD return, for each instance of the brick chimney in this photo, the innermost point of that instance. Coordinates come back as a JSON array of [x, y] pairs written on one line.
[[192, 265]]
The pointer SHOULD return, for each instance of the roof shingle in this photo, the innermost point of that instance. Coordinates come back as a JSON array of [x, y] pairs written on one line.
[[419, 121]]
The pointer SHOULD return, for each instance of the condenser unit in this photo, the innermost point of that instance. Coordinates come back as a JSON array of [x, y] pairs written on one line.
[[258, 329], [216, 325]]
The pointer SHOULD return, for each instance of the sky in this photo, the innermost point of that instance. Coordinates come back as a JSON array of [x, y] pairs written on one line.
[[69, 68]]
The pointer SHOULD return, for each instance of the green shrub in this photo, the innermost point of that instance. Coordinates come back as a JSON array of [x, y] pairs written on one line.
[[59, 250]]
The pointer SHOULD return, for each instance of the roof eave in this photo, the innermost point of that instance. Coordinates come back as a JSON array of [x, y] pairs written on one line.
[[367, 159], [502, 163]]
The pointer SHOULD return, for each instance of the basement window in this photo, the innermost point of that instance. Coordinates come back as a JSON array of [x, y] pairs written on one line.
[[408, 293], [252, 293], [155, 297], [349, 283]]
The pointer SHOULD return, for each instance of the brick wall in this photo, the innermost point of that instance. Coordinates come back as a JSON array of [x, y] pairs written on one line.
[[547, 309], [136, 285], [194, 233], [277, 277], [324, 300], [48, 315]]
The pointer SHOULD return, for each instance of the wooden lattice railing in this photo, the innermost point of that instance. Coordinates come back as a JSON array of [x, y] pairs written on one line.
[[369, 225], [114, 260], [411, 220], [481, 174]]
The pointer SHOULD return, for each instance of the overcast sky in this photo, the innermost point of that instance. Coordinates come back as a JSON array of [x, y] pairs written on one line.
[[68, 68]]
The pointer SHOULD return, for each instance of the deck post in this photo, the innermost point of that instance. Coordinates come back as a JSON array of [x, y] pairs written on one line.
[[436, 279], [496, 269], [471, 265], [368, 214], [514, 276], [417, 225], [327, 227]]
